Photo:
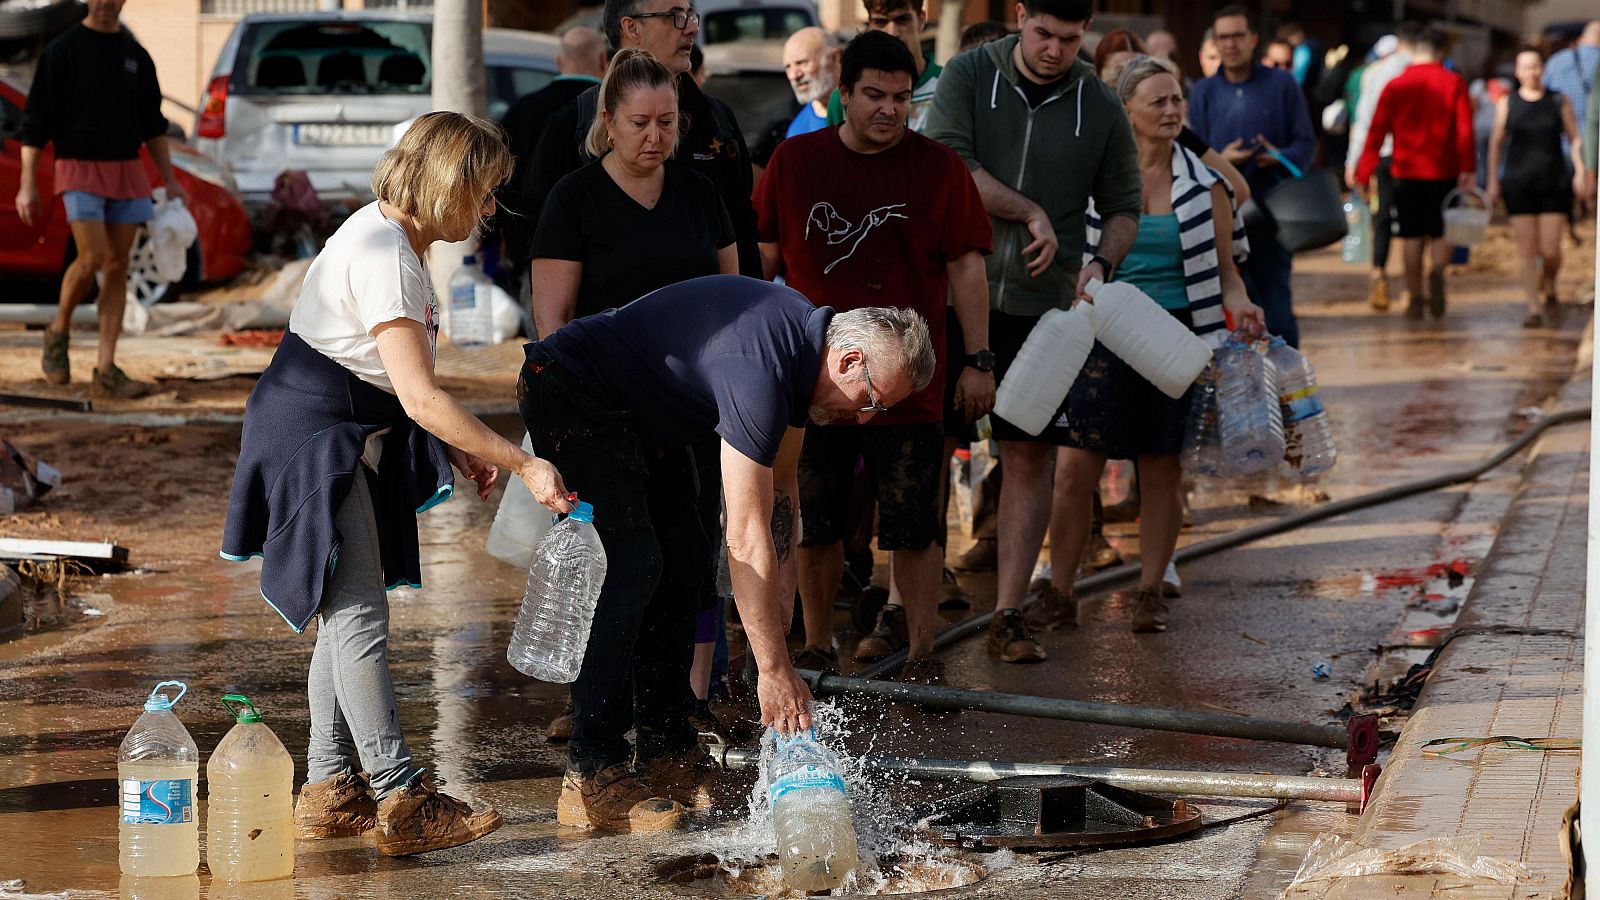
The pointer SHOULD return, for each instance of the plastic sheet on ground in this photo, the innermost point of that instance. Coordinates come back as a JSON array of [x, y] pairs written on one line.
[[1332, 857]]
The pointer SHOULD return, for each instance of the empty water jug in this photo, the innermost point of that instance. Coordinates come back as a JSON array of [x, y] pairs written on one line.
[[1142, 334], [1249, 418], [552, 630], [1045, 367], [157, 768], [249, 800], [1202, 446], [519, 523], [1307, 434]]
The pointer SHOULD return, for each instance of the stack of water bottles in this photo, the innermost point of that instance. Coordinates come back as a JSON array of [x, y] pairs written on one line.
[[1249, 417], [564, 582], [1257, 411], [810, 814]]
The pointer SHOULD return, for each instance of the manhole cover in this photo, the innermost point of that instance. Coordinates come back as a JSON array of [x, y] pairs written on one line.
[[707, 875], [1045, 811]]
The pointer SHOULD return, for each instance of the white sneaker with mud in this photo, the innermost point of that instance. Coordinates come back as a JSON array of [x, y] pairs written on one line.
[[615, 799], [417, 818]]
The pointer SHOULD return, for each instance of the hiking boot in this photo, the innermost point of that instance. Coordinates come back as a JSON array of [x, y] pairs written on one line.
[[1436, 293], [1149, 613], [1415, 307], [688, 778], [887, 636], [1378, 292], [1054, 610], [114, 382], [614, 799], [559, 731], [1009, 640], [57, 368], [417, 818], [816, 659], [982, 556], [951, 596], [342, 806], [1099, 554]]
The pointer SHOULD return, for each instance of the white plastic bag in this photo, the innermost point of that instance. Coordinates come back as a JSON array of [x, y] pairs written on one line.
[[172, 231], [1331, 858]]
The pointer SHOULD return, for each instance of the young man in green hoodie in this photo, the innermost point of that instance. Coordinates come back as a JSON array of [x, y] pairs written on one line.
[[1041, 136]]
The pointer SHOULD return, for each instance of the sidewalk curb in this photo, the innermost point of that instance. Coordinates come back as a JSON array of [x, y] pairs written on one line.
[[1514, 668]]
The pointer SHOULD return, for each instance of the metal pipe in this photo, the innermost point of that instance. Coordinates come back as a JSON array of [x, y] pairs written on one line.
[[1205, 784], [87, 314], [1153, 718], [970, 626]]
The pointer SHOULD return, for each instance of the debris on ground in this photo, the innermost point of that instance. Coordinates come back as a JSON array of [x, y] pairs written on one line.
[[24, 480], [1332, 857], [1402, 695], [94, 556]]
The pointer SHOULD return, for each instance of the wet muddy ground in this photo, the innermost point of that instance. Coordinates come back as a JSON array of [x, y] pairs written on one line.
[[1408, 400]]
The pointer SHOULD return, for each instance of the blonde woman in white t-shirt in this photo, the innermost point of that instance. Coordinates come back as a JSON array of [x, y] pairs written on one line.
[[351, 417]]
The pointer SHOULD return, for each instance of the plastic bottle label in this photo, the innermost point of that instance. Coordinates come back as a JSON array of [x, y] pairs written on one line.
[[162, 802], [1301, 405], [805, 778]]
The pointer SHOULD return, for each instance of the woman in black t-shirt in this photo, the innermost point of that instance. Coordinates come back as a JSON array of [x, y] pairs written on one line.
[[633, 221]]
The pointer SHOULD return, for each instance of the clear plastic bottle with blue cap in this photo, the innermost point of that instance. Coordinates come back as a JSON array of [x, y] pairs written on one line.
[[249, 800], [817, 845], [552, 630], [158, 767]]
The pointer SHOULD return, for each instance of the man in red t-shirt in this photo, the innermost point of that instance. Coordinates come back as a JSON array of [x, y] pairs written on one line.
[[872, 214], [1427, 110]]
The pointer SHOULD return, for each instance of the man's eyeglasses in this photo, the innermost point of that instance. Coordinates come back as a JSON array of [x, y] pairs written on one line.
[[681, 18], [872, 399], [1230, 37]]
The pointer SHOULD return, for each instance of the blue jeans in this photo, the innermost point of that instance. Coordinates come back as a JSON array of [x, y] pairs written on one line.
[[1266, 278]]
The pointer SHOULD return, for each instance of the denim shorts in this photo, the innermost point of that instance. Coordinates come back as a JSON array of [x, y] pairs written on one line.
[[83, 206]]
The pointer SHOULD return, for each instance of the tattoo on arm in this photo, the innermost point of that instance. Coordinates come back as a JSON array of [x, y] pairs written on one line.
[[782, 525]]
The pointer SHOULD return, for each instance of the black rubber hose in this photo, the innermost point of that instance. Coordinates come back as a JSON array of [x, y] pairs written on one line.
[[967, 627]]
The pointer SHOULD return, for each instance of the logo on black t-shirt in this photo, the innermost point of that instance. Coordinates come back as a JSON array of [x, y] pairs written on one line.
[[838, 230], [131, 64]]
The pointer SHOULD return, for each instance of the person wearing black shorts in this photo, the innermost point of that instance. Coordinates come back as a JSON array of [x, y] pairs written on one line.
[[1528, 126]]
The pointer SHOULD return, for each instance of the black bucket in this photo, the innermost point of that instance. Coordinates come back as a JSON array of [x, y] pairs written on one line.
[[1308, 209]]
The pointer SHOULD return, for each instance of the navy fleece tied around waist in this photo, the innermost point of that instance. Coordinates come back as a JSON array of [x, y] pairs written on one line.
[[305, 427]]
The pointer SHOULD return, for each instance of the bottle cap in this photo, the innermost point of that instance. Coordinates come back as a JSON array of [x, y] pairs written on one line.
[[159, 702], [248, 716], [469, 260], [1093, 287], [582, 511]]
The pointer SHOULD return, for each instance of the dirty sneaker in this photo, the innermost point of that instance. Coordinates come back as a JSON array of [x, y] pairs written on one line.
[[1009, 640], [688, 778], [417, 818], [887, 636], [928, 672], [614, 799], [1099, 554], [1171, 584], [559, 731], [1149, 613], [114, 382], [982, 556], [1378, 291], [816, 659], [57, 368], [338, 807], [1054, 610]]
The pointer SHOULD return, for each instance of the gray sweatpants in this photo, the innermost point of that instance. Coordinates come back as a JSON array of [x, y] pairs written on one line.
[[354, 721]]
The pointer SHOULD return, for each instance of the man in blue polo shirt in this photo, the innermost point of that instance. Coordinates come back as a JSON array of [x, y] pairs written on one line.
[[1239, 112], [748, 361]]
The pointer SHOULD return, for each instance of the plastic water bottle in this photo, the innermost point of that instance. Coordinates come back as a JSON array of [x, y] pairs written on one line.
[[1249, 418], [1038, 380], [1356, 247], [1202, 448], [519, 523], [810, 814], [157, 768], [250, 800], [471, 305], [1307, 434], [552, 631], [1145, 336]]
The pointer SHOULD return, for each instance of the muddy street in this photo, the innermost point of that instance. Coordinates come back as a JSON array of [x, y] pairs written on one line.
[[1361, 594]]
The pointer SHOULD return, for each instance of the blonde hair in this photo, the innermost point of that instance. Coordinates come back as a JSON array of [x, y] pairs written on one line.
[[443, 168], [630, 68]]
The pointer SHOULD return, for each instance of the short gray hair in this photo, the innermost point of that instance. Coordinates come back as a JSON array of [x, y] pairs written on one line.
[[1136, 71], [882, 332]]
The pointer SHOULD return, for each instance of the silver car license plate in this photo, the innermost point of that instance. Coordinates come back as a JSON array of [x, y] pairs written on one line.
[[341, 134]]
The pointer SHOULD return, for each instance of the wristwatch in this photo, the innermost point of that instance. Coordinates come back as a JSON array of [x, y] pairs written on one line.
[[983, 360], [1105, 265]]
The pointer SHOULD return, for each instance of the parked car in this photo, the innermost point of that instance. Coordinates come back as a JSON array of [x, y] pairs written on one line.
[[44, 249], [725, 21], [323, 92], [748, 76]]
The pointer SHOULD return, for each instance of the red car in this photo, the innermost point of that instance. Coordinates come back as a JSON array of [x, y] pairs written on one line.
[[43, 250]]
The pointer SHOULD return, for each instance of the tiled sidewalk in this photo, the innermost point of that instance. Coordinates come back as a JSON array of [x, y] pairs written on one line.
[[1515, 668]]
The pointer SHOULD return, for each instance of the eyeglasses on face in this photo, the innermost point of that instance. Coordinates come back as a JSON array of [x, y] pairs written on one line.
[[681, 18], [872, 399]]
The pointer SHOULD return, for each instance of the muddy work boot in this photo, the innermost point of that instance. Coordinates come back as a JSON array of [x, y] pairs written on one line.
[[1009, 640], [815, 659], [1149, 612], [982, 556], [1054, 610], [417, 818], [887, 636], [688, 778], [559, 731], [1378, 291], [113, 382], [615, 799], [57, 368], [339, 807], [928, 672]]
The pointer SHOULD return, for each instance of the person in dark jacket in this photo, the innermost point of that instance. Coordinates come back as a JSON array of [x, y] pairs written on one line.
[[96, 98], [346, 437]]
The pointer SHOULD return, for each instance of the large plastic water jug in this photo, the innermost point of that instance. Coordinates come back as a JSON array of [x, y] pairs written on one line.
[[1356, 248], [470, 319], [1145, 336], [552, 630], [1039, 378], [157, 768], [1307, 434], [810, 814], [1249, 417], [250, 800], [1202, 445], [519, 523]]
